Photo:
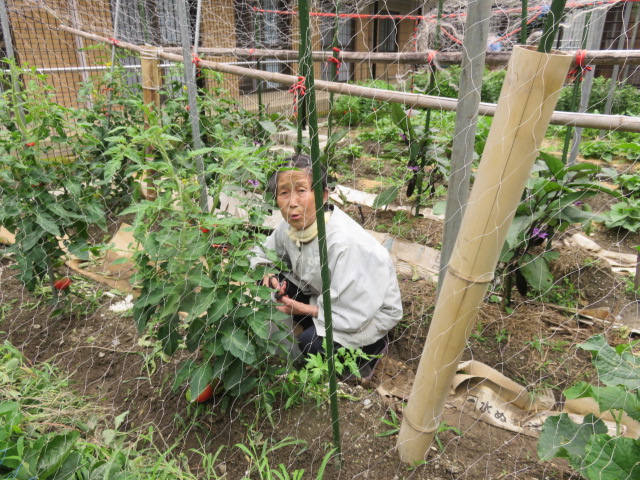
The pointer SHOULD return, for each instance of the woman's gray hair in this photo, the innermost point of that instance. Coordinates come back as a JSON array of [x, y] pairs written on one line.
[[295, 162]]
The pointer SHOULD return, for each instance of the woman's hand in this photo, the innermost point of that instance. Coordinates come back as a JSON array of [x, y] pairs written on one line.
[[293, 307]]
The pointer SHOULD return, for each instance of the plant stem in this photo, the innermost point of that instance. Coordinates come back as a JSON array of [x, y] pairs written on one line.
[[554, 16], [305, 59]]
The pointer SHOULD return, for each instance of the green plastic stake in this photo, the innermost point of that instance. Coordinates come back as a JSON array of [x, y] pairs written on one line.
[[551, 26], [523, 22], [305, 59]]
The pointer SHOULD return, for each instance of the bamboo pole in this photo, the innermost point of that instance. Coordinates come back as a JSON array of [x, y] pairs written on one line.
[[464, 138], [529, 94], [493, 59], [588, 120], [151, 82]]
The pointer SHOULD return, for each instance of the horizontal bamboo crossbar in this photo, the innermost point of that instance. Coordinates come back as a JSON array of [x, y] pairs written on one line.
[[412, 100], [494, 59]]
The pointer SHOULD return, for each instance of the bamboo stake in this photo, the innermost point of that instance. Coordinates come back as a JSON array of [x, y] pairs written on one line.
[[529, 94], [464, 138], [493, 59], [588, 120]]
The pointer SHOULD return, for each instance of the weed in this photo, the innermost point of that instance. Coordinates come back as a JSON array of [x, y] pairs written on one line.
[[392, 422], [477, 335], [502, 335], [443, 427]]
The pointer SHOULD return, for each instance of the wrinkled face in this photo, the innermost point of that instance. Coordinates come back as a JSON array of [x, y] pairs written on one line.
[[296, 199]]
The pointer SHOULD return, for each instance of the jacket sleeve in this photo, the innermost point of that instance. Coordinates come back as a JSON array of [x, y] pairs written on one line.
[[359, 283]]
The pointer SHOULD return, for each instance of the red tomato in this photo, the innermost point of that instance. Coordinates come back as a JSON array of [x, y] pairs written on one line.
[[187, 108], [30, 144], [205, 395], [62, 283], [204, 230]]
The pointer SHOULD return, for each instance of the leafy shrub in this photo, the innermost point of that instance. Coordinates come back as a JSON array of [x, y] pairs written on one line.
[[492, 81], [350, 110], [589, 448], [45, 197], [624, 214], [446, 82], [552, 201]]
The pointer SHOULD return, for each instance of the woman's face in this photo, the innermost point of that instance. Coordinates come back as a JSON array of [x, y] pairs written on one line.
[[296, 199]]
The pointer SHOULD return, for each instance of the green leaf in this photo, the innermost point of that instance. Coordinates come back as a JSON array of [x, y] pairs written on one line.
[[55, 453], [386, 197], [200, 378], [195, 333], [612, 458], [613, 369], [554, 163], [48, 224], [439, 208], [237, 344], [536, 271], [563, 438], [268, 126]]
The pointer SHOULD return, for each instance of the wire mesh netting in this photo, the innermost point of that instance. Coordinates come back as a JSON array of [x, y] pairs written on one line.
[[195, 194]]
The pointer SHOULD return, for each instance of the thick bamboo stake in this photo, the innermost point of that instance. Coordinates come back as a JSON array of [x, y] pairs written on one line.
[[493, 59], [527, 100], [588, 120]]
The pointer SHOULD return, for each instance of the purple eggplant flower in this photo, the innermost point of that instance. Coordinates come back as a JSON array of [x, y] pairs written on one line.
[[253, 183], [413, 168], [537, 233], [578, 203], [403, 137]]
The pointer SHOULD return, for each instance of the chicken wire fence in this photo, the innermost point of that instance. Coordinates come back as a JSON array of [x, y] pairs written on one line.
[[76, 67]]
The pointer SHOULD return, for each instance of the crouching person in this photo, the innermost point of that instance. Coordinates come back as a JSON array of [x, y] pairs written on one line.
[[365, 297]]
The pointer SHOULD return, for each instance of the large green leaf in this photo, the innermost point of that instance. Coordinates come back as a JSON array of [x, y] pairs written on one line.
[[48, 224], [554, 163], [608, 398], [562, 437], [536, 271], [613, 368], [612, 458], [55, 453], [237, 344], [385, 197]]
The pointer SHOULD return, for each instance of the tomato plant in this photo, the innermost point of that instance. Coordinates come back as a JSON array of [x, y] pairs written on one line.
[[48, 202]]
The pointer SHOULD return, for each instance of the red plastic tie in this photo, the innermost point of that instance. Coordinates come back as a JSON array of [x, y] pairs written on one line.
[[431, 56], [251, 51], [195, 58], [577, 72], [114, 41], [298, 89]]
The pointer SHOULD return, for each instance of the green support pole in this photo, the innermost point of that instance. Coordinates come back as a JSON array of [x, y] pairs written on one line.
[[256, 34], [551, 26], [523, 22], [305, 59], [303, 71], [333, 68]]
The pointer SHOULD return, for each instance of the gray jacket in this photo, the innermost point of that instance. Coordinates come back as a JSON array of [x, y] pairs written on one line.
[[365, 297]]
